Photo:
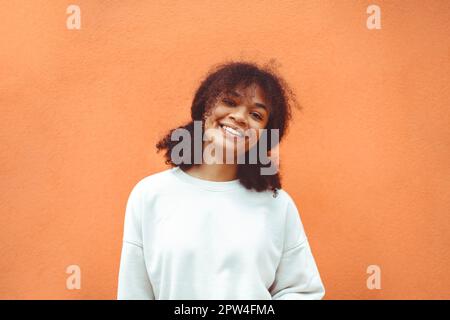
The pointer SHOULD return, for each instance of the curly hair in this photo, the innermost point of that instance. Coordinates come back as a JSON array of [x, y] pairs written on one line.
[[223, 78]]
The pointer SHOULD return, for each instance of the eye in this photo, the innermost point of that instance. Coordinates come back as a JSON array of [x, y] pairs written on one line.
[[257, 115], [229, 102]]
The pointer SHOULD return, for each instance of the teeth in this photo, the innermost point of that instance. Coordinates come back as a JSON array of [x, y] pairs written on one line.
[[232, 131]]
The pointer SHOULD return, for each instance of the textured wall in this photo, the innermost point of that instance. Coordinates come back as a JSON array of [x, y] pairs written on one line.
[[367, 160]]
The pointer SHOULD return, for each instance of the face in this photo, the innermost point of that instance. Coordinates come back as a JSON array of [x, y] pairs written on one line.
[[244, 110]]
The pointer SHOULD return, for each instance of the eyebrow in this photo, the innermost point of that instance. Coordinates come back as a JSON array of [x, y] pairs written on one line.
[[260, 105]]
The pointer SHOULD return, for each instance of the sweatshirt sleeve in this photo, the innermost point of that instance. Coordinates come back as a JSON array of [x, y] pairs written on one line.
[[297, 276], [133, 280]]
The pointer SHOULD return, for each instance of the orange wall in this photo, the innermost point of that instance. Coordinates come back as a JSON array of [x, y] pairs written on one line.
[[367, 160]]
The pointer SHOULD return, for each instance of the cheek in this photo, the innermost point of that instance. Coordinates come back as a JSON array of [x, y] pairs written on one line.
[[215, 115], [219, 111], [256, 138], [210, 121], [259, 124], [253, 139]]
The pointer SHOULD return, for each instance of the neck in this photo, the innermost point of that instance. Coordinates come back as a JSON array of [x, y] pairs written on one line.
[[214, 172]]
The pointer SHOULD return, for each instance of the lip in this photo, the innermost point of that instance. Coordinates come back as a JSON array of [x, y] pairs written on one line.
[[240, 130]]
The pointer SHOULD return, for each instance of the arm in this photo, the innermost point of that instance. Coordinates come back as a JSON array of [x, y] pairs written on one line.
[[133, 282], [297, 276]]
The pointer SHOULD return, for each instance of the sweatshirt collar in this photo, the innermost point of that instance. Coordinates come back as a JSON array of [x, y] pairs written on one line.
[[205, 184]]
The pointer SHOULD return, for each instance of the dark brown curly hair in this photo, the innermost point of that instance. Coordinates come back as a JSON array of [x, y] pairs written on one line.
[[223, 78]]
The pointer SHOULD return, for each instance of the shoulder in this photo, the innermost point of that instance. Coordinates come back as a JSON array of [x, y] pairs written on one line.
[[280, 201], [290, 206], [283, 197], [286, 197], [154, 183], [295, 232]]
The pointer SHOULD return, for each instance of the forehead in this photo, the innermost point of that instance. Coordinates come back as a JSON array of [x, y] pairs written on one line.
[[253, 93]]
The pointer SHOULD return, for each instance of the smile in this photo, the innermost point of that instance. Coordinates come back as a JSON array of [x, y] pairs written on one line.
[[232, 131]]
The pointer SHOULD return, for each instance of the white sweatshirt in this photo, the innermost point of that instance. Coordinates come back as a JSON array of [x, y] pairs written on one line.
[[189, 238]]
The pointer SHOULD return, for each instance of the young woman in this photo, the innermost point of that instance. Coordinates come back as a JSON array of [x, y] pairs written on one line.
[[220, 229]]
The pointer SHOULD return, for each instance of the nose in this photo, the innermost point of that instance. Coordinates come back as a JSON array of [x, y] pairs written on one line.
[[239, 116]]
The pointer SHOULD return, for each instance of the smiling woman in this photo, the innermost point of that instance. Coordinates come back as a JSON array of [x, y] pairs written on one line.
[[234, 117], [240, 96], [220, 230]]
